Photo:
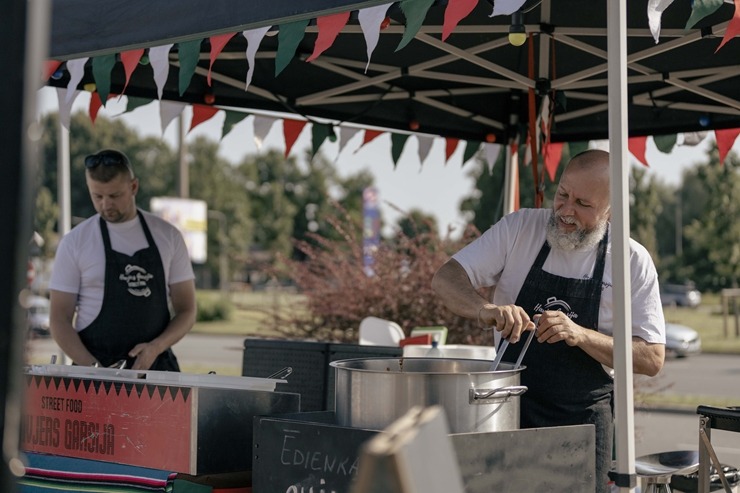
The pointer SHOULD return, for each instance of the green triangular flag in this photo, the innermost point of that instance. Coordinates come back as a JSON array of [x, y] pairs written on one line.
[[398, 141], [577, 148], [415, 11], [133, 102], [101, 69], [665, 143], [470, 150], [319, 133], [232, 118], [187, 54], [289, 36], [700, 9]]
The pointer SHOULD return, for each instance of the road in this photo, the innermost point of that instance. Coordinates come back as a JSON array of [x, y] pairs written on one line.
[[655, 430]]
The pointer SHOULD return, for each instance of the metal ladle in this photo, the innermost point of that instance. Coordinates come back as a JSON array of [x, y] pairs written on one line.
[[505, 344]]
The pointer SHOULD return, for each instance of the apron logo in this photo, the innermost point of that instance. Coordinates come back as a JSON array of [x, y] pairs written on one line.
[[137, 279], [553, 303]]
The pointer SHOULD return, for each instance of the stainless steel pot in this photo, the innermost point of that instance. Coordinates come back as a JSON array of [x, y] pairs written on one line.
[[374, 392]]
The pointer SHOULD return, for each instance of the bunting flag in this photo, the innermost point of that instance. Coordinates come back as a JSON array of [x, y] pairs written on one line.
[[319, 133], [188, 53], [65, 104], [291, 130], [202, 113], [168, 111], [132, 103], [289, 37], [218, 43], [450, 147], [262, 126], [665, 143], [425, 145], [254, 38], [130, 60], [456, 11], [725, 140], [345, 135], [415, 11], [655, 10], [700, 9], [553, 153], [491, 152], [76, 69], [370, 134], [370, 20], [95, 104], [733, 28], [102, 66], [694, 138], [159, 60], [506, 7], [398, 142], [471, 149], [231, 119], [50, 66], [637, 146], [329, 28]]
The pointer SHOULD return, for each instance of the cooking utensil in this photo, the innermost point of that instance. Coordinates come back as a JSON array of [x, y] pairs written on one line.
[[505, 344], [281, 374], [499, 354]]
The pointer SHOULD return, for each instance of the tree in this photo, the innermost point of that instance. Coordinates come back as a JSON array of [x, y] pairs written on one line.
[[644, 209]]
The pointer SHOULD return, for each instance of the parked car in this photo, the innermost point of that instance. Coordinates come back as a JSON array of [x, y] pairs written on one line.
[[681, 341], [680, 295], [38, 316]]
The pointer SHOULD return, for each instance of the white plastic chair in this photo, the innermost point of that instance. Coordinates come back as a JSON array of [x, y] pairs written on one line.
[[375, 331]]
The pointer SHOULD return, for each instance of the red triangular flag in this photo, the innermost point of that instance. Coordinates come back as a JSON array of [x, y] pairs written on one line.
[[370, 135], [725, 140], [50, 66], [456, 11], [637, 146], [130, 59], [733, 28], [291, 131], [329, 27], [201, 113], [553, 153], [450, 147], [218, 43], [95, 104]]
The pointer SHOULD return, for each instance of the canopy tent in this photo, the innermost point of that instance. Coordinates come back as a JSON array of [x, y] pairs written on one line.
[[465, 82]]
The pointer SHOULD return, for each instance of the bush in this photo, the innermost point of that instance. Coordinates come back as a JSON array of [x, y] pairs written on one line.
[[211, 308], [339, 293]]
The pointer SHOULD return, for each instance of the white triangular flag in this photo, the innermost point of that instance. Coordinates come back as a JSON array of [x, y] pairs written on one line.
[[254, 38], [425, 145], [159, 59], [168, 111], [506, 7], [76, 69], [262, 126], [491, 151], [370, 20], [694, 138], [66, 100], [345, 135], [655, 10]]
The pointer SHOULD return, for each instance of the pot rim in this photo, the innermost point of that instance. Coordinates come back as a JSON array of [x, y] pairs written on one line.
[[345, 364]]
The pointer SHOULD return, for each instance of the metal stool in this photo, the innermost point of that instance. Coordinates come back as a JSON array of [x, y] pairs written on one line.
[[658, 468]]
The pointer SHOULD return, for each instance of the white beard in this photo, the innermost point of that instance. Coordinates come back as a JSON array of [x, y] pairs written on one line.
[[580, 239]]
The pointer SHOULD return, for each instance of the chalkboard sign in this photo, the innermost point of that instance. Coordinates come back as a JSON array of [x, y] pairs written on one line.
[[298, 456]]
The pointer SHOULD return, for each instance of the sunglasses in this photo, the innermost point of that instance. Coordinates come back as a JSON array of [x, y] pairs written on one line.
[[106, 159]]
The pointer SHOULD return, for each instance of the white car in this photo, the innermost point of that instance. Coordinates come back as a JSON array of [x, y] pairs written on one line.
[[681, 341], [38, 316]]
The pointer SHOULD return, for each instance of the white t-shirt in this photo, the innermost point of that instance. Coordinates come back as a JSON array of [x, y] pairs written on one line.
[[79, 265], [503, 256]]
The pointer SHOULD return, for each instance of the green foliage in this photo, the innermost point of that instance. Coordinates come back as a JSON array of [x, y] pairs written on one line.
[[644, 210], [339, 293], [213, 308]]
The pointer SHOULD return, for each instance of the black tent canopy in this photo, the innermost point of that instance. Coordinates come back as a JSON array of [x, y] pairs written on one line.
[[473, 86]]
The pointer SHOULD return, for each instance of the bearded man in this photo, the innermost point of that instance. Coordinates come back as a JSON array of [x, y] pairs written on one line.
[[550, 271]]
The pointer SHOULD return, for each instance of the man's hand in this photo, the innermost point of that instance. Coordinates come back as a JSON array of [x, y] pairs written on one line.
[[510, 320], [555, 326], [145, 354]]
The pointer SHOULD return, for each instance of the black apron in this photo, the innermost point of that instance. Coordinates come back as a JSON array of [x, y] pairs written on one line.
[[134, 306], [566, 386]]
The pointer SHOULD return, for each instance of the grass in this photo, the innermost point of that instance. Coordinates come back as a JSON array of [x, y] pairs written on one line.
[[707, 320]]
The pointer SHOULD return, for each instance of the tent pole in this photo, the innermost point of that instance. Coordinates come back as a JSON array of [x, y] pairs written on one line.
[[618, 133]]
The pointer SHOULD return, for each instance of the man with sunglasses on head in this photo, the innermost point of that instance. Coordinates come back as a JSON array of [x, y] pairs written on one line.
[[117, 274]]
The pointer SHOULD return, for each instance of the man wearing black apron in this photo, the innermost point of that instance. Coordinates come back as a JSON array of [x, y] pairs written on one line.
[[551, 272], [110, 296]]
